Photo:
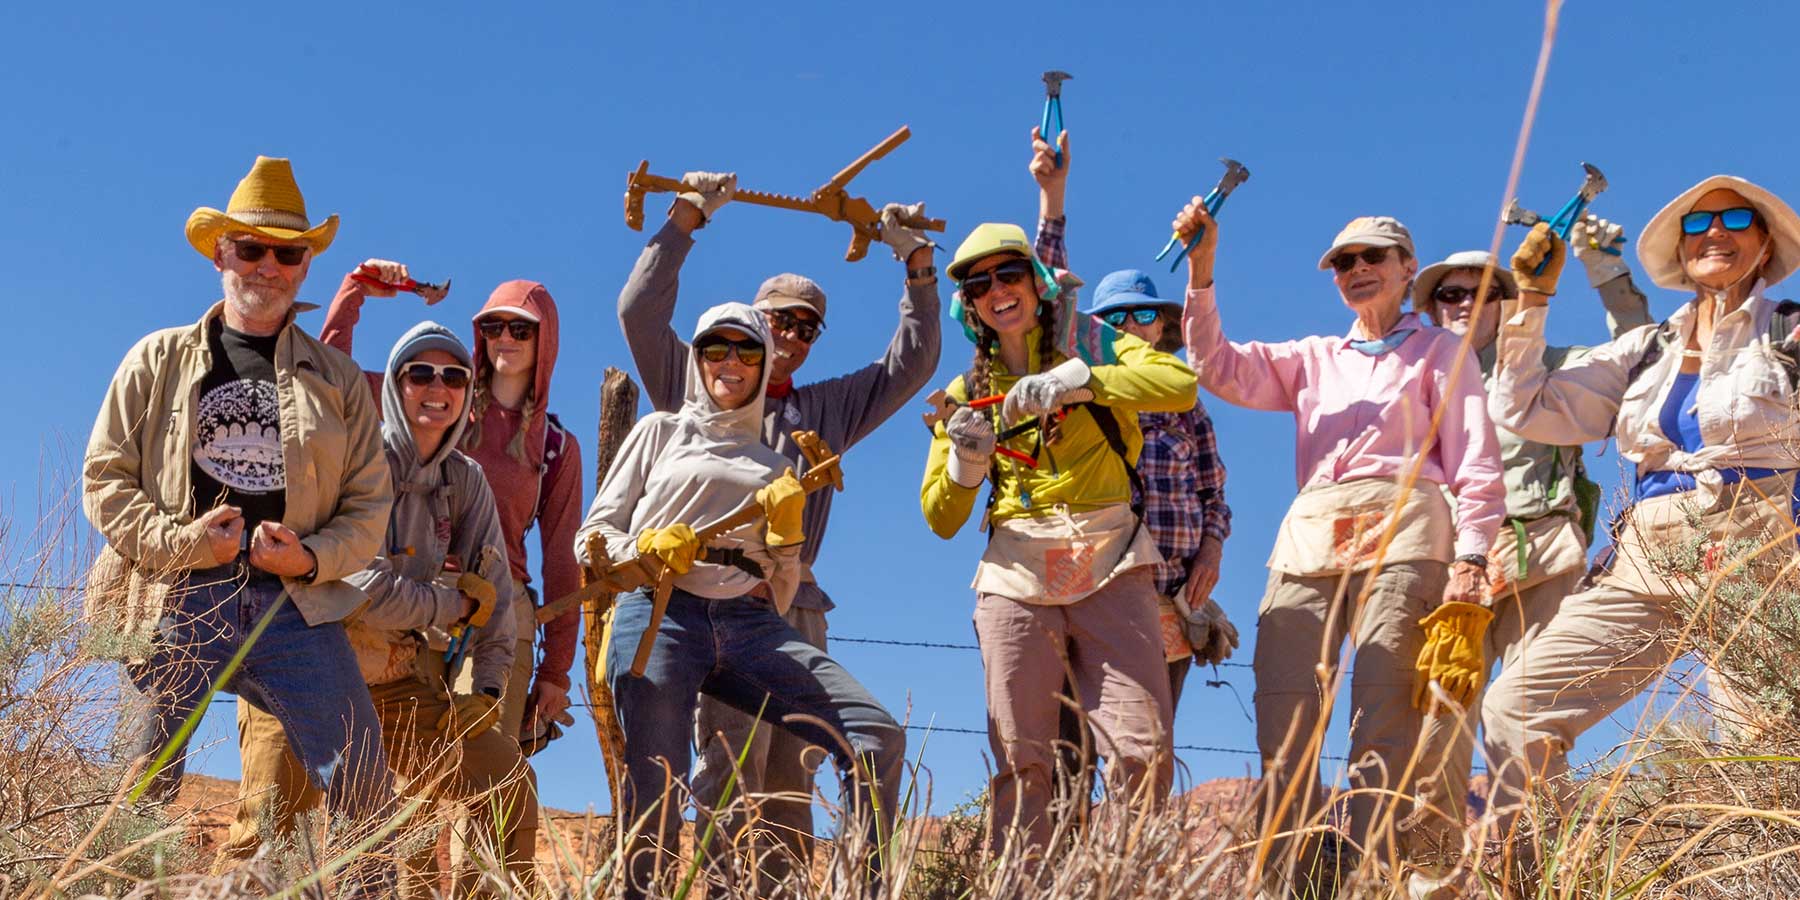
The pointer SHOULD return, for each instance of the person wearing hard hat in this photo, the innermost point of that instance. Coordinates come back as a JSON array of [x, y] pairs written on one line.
[[1703, 405], [777, 768], [1551, 505], [1370, 550], [236, 473], [1066, 580]]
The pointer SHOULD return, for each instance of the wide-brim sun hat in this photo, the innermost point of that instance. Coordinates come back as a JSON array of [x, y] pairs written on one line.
[[1659, 246], [266, 203], [1127, 288], [1427, 281]]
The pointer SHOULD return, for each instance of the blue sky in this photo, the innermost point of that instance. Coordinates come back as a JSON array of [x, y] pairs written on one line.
[[487, 146]]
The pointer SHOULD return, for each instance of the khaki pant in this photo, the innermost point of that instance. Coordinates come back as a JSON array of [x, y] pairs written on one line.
[[1607, 643], [1302, 623], [777, 765], [487, 774], [1110, 642]]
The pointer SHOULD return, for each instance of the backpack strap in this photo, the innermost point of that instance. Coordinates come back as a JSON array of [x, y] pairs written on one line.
[[1787, 351], [556, 439]]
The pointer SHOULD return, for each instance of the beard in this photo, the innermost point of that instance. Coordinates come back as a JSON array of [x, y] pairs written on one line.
[[254, 298]]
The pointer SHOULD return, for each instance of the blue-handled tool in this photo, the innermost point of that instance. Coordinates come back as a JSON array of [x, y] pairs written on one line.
[[1235, 174], [1053, 80], [1591, 185], [459, 647]]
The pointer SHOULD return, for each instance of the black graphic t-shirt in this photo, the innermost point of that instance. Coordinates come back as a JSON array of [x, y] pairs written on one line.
[[237, 444]]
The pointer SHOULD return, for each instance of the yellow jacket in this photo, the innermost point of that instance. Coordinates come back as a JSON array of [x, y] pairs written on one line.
[[1079, 470]]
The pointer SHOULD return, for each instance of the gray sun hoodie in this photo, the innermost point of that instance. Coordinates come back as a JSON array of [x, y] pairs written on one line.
[[694, 466], [442, 506]]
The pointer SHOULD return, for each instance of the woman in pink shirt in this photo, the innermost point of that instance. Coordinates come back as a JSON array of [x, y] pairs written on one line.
[[1386, 417]]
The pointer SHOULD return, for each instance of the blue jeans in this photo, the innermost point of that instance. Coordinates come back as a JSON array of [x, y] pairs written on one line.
[[305, 676], [740, 652]]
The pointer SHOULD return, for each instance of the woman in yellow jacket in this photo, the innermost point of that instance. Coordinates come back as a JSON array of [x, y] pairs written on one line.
[[1065, 583]]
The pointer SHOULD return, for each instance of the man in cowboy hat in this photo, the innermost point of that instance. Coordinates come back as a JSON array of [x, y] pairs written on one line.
[[236, 472]]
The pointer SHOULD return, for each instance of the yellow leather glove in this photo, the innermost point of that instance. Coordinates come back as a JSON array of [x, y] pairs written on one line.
[[1453, 655], [1540, 244], [468, 715], [784, 503], [481, 591], [672, 545]]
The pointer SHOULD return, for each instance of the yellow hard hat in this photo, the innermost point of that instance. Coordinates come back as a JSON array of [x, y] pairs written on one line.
[[987, 239]]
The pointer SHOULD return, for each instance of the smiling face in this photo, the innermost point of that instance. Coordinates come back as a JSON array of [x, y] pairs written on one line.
[[785, 326], [431, 409], [1366, 285], [264, 289], [510, 355], [1008, 309], [1719, 257], [731, 382], [1460, 317]]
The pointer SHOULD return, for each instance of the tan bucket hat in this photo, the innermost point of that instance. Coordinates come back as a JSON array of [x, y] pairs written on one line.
[[1659, 246], [1427, 281], [1370, 231], [268, 203]]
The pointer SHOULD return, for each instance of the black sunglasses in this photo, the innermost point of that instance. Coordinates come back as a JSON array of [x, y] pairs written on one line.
[[1456, 296], [1143, 315], [1344, 262], [1737, 218], [455, 377], [251, 251], [976, 286], [520, 329], [790, 323], [714, 350]]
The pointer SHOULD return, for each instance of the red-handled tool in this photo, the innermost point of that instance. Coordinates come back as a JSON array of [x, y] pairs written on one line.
[[943, 405], [370, 277]]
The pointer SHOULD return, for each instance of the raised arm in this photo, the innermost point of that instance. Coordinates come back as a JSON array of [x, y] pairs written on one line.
[[646, 307], [1256, 375], [1607, 272]]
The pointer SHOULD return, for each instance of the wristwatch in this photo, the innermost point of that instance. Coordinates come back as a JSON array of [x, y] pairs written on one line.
[[1478, 559], [920, 274]]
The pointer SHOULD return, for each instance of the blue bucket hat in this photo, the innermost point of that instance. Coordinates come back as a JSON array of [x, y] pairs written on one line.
[[1127, 288]]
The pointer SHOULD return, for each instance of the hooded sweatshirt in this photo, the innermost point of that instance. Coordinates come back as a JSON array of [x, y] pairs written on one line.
[[547, 493], [442, 507], [694, 466]]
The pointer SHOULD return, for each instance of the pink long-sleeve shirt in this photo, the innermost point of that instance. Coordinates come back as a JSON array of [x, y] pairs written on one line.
[[1359, 416]]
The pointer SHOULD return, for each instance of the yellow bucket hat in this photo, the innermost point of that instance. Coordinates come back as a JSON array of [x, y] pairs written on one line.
[[267, 202]]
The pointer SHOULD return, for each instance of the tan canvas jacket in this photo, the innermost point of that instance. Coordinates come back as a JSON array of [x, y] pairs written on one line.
[[136, 481]]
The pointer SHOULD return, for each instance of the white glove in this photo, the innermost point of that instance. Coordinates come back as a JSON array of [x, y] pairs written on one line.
[[903, 238], [972, 441], [1587, 238], [710, 190], [1044, 393], [1210, 633]]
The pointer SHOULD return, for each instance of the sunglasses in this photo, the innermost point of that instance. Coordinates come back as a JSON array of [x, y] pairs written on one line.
[[1735, 219], [1374, 256], [455, 377], [749, 352], [1456, 296], [251, 251], [975, 287], [790, 323], [520, 329], [1143, 315]]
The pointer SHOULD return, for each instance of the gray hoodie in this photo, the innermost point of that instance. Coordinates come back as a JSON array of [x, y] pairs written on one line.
[[442, 507], [694, 466]]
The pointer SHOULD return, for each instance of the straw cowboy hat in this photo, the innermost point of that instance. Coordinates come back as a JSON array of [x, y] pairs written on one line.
[[1659, 247], [266, 203]]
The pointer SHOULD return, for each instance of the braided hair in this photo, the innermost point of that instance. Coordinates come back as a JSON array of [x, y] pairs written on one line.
[[478, 407], [979, 381]]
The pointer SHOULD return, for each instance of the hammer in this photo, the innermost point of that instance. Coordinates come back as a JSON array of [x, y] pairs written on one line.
[[1053, 80], [1235, 174], [1592, 183]]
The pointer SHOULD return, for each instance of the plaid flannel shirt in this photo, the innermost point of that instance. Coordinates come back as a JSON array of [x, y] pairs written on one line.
[[1180, 466]]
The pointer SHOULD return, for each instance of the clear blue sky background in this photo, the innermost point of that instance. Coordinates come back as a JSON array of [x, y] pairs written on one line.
[[476, 141]]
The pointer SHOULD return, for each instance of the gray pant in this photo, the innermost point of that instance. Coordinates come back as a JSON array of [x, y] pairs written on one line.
[[777, 766]]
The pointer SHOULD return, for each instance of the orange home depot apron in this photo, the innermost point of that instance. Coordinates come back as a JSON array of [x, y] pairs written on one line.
[[1060, 558], [1335, 528]]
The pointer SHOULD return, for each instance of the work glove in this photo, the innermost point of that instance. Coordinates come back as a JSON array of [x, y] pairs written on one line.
[[1045, 392], [674, 546], [900, 236], [1209, 632], [1588, 239], [1540, 243], [481, 591], [709, 190], [972, 441], [468, 715], [1453, 655], [783, 502]]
